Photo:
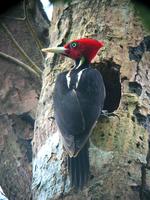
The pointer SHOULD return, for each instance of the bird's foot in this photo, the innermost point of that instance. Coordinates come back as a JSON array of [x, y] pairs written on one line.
[[106, 114]]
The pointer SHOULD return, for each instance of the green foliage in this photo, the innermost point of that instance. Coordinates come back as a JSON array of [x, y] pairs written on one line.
[[144, 12]]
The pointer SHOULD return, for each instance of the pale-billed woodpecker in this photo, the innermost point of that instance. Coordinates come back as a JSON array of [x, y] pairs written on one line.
[[79, 96]]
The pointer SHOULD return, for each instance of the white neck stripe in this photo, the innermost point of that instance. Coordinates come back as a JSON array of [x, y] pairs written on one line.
[[79, 76], [68, 78]]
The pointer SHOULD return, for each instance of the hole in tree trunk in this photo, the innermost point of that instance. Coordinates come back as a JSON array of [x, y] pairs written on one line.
[[110, 72]]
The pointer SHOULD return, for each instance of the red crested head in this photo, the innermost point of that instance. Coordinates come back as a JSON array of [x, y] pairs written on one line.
[[84, 47]]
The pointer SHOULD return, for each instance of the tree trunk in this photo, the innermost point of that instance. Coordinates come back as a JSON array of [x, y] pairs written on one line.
[[118, 145], [20, 86]]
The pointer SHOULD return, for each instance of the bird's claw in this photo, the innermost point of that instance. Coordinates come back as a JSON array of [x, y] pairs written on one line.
[[106, 114]]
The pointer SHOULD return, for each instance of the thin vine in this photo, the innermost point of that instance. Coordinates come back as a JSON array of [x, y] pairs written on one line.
[[23, 65]]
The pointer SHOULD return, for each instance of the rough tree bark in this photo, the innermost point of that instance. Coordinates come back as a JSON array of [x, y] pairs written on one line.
[[119, 146], [19, 91]]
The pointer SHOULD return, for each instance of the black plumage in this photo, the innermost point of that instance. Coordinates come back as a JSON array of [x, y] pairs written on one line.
[[77, 107], [79, 96]]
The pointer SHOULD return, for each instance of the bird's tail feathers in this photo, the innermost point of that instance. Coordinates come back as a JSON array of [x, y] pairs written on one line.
[[78, 168]]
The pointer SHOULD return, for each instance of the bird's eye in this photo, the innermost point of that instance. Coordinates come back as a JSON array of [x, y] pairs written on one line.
[[74, 44]]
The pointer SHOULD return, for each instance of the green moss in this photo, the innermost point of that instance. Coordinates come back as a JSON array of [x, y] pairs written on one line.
[[122, 135]]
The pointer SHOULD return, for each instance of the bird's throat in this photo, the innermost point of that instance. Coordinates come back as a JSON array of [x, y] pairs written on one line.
[[81, 63]]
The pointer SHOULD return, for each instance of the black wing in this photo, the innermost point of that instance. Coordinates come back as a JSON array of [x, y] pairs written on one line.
[[68, 114], [76, 110]]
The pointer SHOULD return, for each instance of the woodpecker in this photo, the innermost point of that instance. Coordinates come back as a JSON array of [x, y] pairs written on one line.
[[79, 96]]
